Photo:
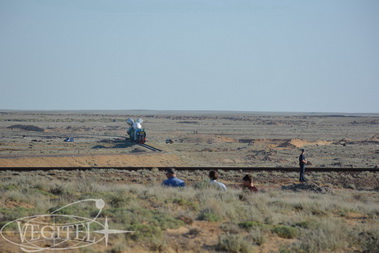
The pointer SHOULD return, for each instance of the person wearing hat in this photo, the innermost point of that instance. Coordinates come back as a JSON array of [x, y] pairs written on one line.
[[302, 163], [172, 180]]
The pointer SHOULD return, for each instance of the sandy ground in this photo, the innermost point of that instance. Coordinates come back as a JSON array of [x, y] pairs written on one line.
[[200, 139], [112, 160], [35, 139]]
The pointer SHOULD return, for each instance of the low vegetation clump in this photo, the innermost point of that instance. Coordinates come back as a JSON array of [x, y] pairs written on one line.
[[234, 243], [203, 218], [27, 128], [286, 231]]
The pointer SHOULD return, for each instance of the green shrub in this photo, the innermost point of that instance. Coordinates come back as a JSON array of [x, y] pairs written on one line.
[[10, 214], [119, 200], [285, 231], [367, 240], [280, 204], [157, 245], [88, 250], [285, 249], [230, 227], [207, 215], [57, 190], [185, 218], [9, 187], [308, 224], [329, 235], [249, 225], [165, 222], [186, 203], [16, 196], [118, 248], [234, 243], [120, 215], [256, 236], [144, 232]]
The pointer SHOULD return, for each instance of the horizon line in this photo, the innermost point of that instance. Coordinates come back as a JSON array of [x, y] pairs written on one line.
[[178, 110]]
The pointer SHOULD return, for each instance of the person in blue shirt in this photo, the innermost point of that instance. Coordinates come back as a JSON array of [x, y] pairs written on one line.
[[172, 180]]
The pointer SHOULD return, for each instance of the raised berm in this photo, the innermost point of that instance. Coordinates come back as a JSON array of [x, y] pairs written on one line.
[[298, 143]]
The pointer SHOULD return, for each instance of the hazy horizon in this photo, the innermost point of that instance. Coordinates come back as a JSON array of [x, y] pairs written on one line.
[[243, 55], [191, 112]]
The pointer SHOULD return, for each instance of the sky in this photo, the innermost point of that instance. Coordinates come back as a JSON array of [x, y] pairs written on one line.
[[234, 55]]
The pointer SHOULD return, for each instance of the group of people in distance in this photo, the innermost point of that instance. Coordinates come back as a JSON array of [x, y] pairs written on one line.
[[173, 181], [247, 181]]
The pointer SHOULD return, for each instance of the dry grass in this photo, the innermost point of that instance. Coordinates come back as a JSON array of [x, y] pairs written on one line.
[[210, 220]]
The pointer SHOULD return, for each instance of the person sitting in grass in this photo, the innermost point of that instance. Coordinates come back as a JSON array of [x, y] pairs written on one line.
[[172, 180], [213, 175], [247, 184]]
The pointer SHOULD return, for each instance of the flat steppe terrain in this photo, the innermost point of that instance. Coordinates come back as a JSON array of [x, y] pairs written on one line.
[[332, 212], [200, 139]]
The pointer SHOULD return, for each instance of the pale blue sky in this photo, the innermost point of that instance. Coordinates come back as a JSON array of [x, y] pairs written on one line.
[[240, 55]]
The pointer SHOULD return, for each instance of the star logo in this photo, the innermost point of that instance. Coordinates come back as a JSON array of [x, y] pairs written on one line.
[[59, 231], [106, 231]]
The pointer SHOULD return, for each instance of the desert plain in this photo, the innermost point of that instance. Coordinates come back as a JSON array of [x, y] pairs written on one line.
[[332, 212], [200, 139]]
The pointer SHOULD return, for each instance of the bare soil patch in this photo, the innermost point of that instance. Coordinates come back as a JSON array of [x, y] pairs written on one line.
[[112, 160]]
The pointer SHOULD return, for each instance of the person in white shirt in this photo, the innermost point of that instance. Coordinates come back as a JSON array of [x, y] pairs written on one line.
[[213, 175]]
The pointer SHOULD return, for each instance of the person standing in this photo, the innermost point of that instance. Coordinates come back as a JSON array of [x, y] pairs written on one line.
[[302, 163]]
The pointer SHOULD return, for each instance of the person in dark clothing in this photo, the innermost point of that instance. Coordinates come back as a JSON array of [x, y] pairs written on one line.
[[302, 163], [247, 184]]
